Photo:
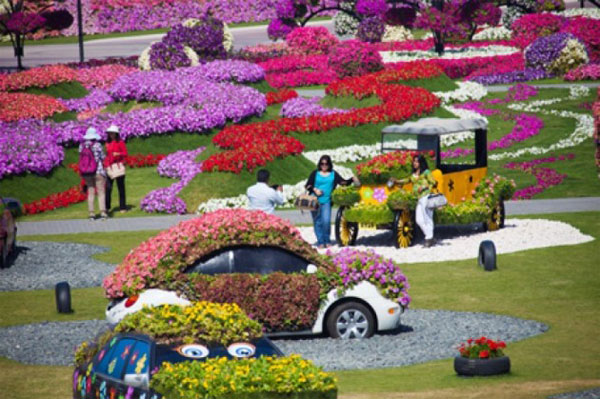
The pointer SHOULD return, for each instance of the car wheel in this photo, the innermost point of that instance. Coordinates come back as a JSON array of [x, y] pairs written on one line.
[[4, 254], [351, 320]]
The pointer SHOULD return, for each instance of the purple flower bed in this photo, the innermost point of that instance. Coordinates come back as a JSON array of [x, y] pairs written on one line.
[[26, 147], [300, 107], [181, 165], [97, 98], [512, 77], [206, 39], [226, 71], [168, 56], [541, 53]]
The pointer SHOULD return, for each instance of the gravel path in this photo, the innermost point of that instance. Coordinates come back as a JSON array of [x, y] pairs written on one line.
[[40, 265], [587, 394], [459, 243], [425, 335]]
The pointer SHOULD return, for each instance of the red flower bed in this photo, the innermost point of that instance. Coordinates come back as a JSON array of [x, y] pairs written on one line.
[[255, 144], [301, 78], [17, 106], [37, 77], [280, 96]]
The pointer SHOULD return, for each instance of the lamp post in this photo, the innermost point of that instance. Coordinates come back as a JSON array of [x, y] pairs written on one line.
[[80, 30]]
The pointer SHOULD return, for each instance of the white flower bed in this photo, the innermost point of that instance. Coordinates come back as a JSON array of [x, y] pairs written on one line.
[[586, 12], [584, 129], [396, 34], [539, 233], [578, 91], [469, 52], [493, 33], [467, 91]]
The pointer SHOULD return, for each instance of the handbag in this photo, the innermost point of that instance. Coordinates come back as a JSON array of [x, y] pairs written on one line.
[[436, 201], [307, 202], [116, 170]]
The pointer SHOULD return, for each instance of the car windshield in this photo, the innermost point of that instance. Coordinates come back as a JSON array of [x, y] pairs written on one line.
[[166, 353]]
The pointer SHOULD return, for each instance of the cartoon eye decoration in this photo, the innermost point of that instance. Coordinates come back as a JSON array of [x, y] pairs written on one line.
[[193, 351], [242, 349]]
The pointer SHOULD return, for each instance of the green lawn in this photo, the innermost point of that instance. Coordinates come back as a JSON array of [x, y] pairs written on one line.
[[557, 286]]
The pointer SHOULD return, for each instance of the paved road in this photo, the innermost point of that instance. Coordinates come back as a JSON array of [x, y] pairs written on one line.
[[36, 55], [162, 222]]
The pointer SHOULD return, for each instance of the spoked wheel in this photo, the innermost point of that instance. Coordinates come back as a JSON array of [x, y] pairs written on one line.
[[496, 218], [404, 228], [345, 231], [351, 320]]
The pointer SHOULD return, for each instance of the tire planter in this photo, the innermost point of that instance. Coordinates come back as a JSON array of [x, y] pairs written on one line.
[[487, 255], [481, 367]]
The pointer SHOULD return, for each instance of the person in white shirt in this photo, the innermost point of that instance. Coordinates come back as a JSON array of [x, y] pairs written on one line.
[[262, 196]]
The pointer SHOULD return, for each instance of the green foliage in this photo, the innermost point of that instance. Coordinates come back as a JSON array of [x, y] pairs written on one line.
[[345, 196], [200, 322], [64, 90], [261, 86], [402, 199], [235, 379], [349, 102], [437, 83], [462, 213], [88, 349], [369, 214], [64, 116]]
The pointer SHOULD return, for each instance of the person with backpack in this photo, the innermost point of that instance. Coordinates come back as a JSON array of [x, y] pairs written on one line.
[[91, 169]]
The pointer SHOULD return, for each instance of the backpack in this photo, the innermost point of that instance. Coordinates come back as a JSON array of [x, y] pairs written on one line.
[[87, 162]]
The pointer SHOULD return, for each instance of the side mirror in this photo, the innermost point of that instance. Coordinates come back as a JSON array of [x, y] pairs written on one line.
[[311, 269], [137, 380]]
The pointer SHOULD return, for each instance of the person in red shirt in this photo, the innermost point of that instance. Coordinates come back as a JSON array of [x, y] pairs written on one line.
[[116, 153]]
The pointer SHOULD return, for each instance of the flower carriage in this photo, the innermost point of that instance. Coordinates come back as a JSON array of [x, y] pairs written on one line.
[[472, 196]]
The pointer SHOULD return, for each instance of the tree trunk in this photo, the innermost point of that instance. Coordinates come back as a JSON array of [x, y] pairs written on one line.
[[438, 37], [18, 47]]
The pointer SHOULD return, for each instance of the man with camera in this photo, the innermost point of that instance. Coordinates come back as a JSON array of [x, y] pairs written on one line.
[[262, 196]]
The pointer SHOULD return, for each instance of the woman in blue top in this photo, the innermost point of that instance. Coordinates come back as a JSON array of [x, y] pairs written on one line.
[[321, 183]]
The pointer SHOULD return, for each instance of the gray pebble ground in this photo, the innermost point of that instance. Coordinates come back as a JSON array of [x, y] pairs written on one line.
[[40, 265], [588, 394]]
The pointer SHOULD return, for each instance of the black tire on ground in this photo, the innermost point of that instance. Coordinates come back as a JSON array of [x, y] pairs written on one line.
[[481, 367], [3, 255], [63, 297], [345, 232], [350, 320], [487, 255]]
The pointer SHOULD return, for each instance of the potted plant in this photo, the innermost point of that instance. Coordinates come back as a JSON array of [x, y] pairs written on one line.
[[480, 357]]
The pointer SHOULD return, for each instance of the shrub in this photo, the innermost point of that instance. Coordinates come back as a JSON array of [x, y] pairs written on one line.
[[343, 23], [369, 214], [557, 53], [371, 29], [227, 35], [400, 14], [353, 58], [371, 8], [462, 213], [171, 56], [254, 377], [200, 322], [311, 40], [345, 196], [205, 37], [397, 164], [402, 199]]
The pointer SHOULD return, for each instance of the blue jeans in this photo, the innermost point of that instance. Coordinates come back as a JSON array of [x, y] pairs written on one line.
[[322, 221]]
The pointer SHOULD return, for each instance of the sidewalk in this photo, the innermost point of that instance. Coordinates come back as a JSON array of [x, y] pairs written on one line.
[[73, 226]]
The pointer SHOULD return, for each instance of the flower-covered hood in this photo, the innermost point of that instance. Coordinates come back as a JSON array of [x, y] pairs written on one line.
[[159, 260]]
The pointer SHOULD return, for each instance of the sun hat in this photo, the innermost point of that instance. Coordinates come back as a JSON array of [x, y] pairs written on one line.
[[113, 129], [91, 134]]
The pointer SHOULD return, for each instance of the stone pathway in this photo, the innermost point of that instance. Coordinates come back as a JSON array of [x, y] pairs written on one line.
[[70, 226]]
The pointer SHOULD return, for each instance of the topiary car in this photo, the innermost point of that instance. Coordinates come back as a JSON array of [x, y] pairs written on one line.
[[260, 262], [9, 210], [472, 197], [155, 352]]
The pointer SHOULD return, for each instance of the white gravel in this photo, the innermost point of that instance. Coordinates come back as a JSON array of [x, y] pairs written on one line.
[[458, 244]]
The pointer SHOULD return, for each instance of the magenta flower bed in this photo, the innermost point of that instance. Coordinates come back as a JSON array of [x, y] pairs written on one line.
[[584, 72], [545, 177]]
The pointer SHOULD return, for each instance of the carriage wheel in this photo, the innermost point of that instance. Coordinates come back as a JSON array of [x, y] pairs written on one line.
[[404, 228], [496, 219], [345, 231]]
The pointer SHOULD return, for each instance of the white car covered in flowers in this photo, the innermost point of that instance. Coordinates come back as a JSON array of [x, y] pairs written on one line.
[[260, 262]]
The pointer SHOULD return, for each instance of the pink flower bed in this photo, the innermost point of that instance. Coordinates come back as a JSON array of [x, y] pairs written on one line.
[[17, 106], [37, 77], [301, 78], [102, 77], [311, 40], [497, 65], [172, 250], [588, 31], [545, 177], [294, 62], [584, 72], [531, 26]]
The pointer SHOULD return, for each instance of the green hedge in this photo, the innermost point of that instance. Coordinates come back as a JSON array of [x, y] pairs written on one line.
[[463, 213], [370, 214], [345, 196]]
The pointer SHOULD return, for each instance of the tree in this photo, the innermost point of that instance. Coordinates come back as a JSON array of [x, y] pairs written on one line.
[[20, 18]]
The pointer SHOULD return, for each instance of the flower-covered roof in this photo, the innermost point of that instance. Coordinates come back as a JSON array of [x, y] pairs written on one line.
[[157, 261]]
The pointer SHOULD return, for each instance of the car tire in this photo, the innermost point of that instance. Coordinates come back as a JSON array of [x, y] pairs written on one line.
[[4, 260], [487, 255], [350, 320]]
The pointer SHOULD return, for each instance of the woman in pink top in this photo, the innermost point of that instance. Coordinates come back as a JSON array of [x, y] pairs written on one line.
[[116, 152]]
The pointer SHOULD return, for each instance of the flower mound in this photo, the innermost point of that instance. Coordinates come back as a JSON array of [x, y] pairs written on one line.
[[353, 58], [481, 348], [200, 322], [258, 377], [162, 258], [311, 40], [556, 53], [355, 266]]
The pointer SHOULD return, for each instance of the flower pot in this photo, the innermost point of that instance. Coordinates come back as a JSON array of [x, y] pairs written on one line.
[[473, 367]]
